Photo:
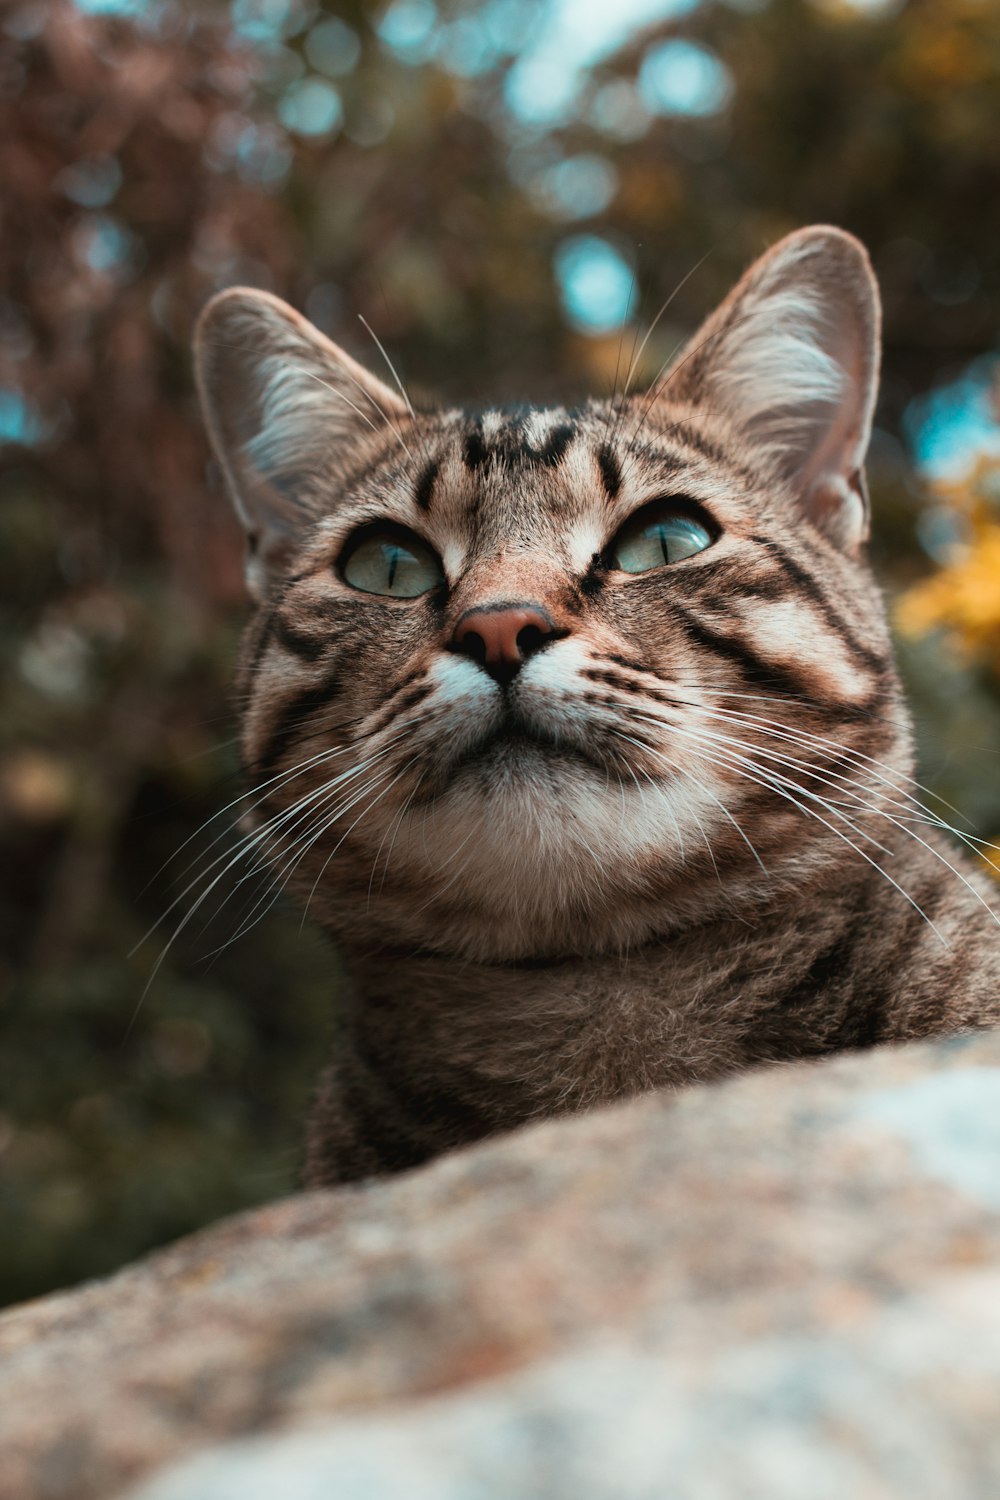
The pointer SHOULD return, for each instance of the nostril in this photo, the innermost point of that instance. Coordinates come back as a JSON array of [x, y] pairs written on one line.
[[474, 645], [530, 639]]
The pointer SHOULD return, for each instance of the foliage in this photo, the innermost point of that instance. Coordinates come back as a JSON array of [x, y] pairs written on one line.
[[963, 597], [324, 151]]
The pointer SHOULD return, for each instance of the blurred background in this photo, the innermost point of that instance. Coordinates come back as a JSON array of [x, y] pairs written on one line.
[[507, 190]]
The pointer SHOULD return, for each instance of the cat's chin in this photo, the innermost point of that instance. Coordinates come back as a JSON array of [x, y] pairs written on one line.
[[518, 749]]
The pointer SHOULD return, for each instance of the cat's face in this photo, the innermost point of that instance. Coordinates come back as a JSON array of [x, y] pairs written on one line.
[[529, 683]]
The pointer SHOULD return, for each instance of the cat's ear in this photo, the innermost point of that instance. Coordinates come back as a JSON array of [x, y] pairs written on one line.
[[286, 410], [791, 356]]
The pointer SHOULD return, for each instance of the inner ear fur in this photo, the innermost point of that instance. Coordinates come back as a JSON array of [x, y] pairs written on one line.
[[791, 356], [286, 411]]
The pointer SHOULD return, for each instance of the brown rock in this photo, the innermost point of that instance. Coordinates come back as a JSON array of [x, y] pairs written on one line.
[[787, 1285]]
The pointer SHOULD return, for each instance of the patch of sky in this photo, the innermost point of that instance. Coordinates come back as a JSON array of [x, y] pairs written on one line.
[[575, 188], [618, 111], [333, 48], [113, 7], [105, 246], [596, 282], [570, 37], [408, 28], [269, 20], [678, 77], [951, 427], [311, 107], [467, 49], [507, 23], [263, 155], [19, 420], [91, 182]]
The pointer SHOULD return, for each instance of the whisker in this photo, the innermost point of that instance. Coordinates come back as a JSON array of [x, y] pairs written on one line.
[[721, 805], [733, 747], [637, 354], [398, 777], [395, 827], [399, 384], [282, 776], [904, 828], [363, 415], [281, 878], [780, 784]]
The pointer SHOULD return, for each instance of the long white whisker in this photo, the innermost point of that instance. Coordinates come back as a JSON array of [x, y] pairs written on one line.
[[392, 368], [261, 787], [398, 777], [362, 414], [302, 845], [636, 358], [768, 780], [838, 783], [841, 750], [733, 748], [721, 805]]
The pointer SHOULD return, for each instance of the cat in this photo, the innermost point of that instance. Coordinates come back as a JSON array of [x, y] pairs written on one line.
[[580, 730]]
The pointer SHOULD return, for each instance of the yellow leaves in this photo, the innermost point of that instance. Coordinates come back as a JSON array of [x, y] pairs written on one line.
[[946, 48], [963, 598]]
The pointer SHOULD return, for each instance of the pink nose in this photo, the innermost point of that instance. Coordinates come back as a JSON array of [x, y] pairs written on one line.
[[501, 637]]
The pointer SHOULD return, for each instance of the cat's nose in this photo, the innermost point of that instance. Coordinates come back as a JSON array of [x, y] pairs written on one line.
[[501, 637]]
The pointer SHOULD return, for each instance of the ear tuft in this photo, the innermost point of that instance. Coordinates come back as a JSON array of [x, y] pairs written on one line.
[[791, 357], [287, 411]]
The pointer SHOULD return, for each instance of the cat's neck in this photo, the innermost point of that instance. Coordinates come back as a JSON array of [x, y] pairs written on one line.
[[437, 1050], [526, 1037]]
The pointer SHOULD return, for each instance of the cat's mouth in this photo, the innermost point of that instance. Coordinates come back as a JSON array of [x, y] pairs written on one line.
[[516, 743]]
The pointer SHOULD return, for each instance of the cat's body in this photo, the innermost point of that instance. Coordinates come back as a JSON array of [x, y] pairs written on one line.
[[430, 1053], [581, 731]]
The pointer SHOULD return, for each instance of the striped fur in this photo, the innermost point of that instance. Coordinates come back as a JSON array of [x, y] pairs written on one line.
[[683, 839]]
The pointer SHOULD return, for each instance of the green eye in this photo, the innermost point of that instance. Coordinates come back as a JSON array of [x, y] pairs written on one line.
[[653, 538], [396, 565]]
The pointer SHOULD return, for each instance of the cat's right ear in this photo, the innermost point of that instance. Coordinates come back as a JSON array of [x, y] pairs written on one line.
[[287, 412]]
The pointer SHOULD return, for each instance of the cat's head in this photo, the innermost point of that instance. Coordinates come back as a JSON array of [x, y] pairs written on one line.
[[532, 682]]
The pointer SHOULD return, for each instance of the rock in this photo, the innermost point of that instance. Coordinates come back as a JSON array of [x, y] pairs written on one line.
[[787, 1285]]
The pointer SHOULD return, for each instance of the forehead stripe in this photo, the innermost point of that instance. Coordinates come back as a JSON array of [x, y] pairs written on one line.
[[424, 490], [555, 445], [610, 471], [474, 450]]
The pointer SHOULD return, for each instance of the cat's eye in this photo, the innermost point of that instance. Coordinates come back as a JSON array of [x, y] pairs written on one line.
[[657, 536], [391, 562]]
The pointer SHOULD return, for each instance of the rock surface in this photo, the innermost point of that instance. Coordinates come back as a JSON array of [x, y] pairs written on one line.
[[785, 1286]]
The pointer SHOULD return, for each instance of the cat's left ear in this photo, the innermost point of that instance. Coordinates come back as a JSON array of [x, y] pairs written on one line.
[[288, 413], [791, 356]]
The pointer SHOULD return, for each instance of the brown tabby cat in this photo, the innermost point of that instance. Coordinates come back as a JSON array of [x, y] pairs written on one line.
[[580, 730]]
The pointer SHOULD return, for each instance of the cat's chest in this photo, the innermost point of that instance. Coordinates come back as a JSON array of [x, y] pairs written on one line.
[[575, 1033]]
